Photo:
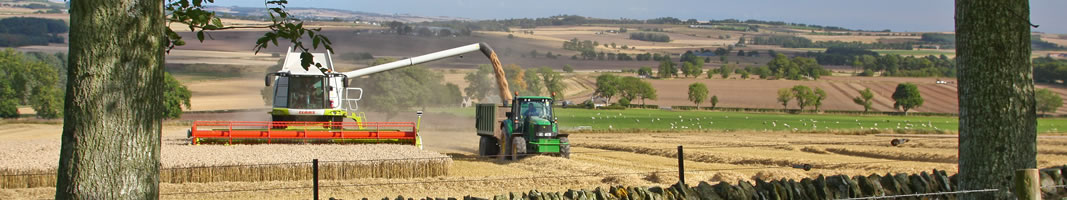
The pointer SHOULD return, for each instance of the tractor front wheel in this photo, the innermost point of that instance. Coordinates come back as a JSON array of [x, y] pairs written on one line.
[[518, 147], [564, 147], [488, 146]]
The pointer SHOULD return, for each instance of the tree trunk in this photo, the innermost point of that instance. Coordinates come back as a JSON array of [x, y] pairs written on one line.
[[998, 121], [113, 113]]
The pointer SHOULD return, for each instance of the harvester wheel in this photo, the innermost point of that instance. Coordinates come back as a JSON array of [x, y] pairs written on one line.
[[518, 147], [565, 147], [488, 146]]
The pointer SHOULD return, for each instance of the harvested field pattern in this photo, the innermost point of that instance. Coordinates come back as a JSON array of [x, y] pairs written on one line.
[[183, 163], [599, 160]]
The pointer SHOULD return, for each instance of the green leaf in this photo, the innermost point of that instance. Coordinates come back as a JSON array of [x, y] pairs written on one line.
[[315, 42], [200, 35], [217, 22], [306, 59]]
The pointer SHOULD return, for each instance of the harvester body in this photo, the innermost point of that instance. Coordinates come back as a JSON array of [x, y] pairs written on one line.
[[528, 126], [310, 104]]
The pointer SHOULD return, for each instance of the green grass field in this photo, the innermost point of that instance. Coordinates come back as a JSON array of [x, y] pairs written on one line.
[[635, 120]]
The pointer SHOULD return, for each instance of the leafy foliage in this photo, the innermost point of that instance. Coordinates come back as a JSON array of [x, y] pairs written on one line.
[[789, 41], [607, 86], [568, 69], [864, 99], [819, 95], [26, 80], [714, 101], [651, 37], [479, 84], [629, 88], [784, 96], [907, 97], [645, 71], [1047, 101], [174, 96], [796, 68], [697, 93], [22, 31], [803, 95], [284, 26], [667, 69], [1050, 70], [553, 82], [400, 90]]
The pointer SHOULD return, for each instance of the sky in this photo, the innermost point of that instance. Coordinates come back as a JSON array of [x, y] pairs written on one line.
[[896, 15]]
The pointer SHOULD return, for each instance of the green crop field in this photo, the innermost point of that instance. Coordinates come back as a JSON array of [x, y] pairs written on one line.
[[663, 120]]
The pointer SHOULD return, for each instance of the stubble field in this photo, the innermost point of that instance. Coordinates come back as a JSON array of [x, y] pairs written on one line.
[[599, 160]]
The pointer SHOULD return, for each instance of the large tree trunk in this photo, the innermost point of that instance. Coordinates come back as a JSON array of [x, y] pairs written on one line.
[[113, 113], [998, 125]]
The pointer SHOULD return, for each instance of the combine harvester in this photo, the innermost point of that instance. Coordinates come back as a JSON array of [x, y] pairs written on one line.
[[310, 106]]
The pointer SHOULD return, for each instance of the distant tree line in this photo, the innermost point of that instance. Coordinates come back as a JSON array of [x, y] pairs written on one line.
[[1047, 69], [571, 20], [23, 31], [627, 88], [911, 66], [795, 68], [651, 37], [777, 23], [401, 28], [839, 55], [948, 41], [800, 42]]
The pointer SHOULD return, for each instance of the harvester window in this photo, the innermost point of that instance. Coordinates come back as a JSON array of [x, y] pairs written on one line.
[[306, 93]]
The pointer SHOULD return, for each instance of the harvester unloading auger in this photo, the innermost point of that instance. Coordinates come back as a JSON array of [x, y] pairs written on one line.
[[310, 105]]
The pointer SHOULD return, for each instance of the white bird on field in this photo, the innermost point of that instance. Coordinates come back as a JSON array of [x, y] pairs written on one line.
[[773, 124], [598, 114], [593, 117]]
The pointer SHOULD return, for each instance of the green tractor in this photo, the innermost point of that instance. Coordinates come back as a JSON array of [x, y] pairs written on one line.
[[527, 127]]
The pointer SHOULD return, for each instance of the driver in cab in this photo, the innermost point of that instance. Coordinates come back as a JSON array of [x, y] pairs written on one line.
[[532, 110]]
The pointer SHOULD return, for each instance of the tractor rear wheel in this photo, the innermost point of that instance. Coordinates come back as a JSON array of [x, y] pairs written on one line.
[[518, 147], [488, 146], [565, 147]]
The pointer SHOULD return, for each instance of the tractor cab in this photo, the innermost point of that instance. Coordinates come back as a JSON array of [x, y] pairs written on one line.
[[534, 115]]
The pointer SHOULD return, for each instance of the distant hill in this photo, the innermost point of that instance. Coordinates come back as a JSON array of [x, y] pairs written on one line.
[[324, 14]]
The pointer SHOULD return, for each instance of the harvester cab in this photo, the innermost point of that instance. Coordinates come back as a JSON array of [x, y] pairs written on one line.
[[312, 94], [527, 127]]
